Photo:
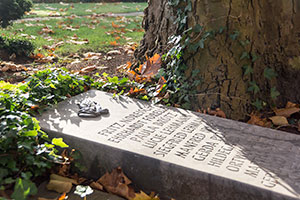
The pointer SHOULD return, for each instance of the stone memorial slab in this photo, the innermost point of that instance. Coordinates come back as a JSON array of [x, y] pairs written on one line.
[[180, 154]]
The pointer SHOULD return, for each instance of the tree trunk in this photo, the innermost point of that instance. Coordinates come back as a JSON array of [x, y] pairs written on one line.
[[159, 26], [259, 37]]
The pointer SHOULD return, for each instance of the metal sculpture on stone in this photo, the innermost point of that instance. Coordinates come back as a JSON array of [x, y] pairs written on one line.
[[91, 109]]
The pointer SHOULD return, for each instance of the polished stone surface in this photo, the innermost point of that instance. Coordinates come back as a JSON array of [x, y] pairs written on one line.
[[178, 153]]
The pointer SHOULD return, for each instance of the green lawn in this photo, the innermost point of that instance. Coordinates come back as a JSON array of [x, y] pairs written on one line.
[[98, 31], [80, 9]]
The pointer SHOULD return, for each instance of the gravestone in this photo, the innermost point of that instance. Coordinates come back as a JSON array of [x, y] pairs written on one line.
[[180, 154]]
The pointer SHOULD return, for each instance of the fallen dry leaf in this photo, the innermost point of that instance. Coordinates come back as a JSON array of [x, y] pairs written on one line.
[[257, 120], [62, 197], [96, 185], [152, 66], [291, 105], [88, 69], [46, 30], [115, 25], [144, 196], [117, 183], [61, 178], [136, 91], [79, 42], [114, 43], [59, 186], [9, 66], [286, 112], [218, 112], [279, 120], [114, 52]]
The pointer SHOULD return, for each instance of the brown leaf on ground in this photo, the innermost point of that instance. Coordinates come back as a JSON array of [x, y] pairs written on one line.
[[137, 91], [117, 183], [286, 112], [114, 52], [144, 196], [9, 66], [114, 43], [115, 25], [96, 185], [151, 67], [79, 42], [59, 186], [291, 105], [159, 86], [279, 120], [61, 178], [46, 30], [218, 112], [62, 197], [257, 120], [88, 69]]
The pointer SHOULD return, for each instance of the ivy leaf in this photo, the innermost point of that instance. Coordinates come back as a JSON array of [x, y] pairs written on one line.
[[188, 7], [194, 47], [247, 69], [258, 104], [254, 57], [59, 142], [269, 73], [274, 93], [31, 133], [201, 44], [221, 30], [234, 35], [253, 87], [197, 28], [244, 55], [23, 188]]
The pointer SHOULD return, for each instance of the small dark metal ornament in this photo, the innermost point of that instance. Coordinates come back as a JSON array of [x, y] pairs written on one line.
[[90, 109]]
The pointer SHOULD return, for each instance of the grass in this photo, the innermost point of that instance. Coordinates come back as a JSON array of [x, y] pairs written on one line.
[[98, 31], [80, 9]]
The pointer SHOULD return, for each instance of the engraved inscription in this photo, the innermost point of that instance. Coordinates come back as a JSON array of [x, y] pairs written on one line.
[[168, 133]]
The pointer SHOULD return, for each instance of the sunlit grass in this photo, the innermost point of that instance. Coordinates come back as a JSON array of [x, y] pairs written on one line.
[[80, 9], [98, 31]]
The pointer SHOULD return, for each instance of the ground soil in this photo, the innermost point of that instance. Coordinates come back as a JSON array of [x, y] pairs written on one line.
[[74, 63]]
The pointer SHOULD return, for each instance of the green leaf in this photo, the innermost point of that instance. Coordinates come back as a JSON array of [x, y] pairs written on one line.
[[31, 133], [258, 104], [247, 69], [23, 188], [221, 29], [194, 47], [188, 7], [254, 57], [253, 87], [244, 55], [201, 44], [274, 93], [145, 98], [104, 74], [269, 73], [115, 79], [197, 28], [234, 35], [59, 142], [9, 180]]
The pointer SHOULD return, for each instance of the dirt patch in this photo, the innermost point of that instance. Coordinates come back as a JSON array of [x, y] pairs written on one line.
[[76, 63]]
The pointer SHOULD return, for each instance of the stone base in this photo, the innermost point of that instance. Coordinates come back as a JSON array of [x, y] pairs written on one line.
[[180, 154]]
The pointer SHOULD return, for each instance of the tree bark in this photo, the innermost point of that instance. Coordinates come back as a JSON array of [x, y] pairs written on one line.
[[269, 30], [159, 26]]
